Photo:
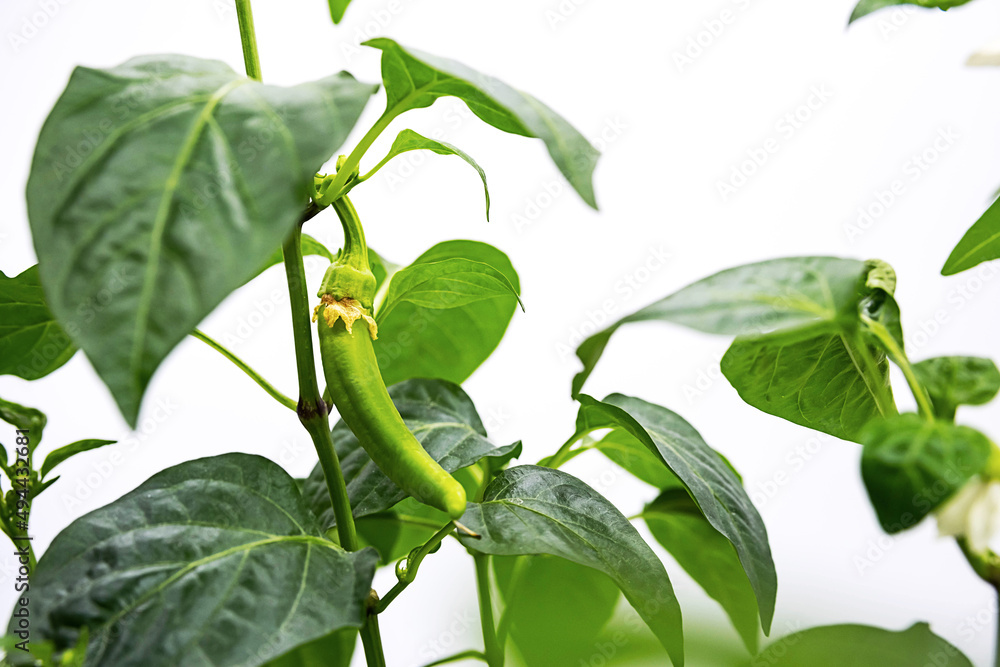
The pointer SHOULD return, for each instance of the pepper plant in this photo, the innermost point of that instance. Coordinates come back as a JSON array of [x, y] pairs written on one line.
[[159, 187]]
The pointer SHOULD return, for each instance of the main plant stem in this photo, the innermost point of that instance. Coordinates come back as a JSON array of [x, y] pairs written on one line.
[[492, 649], [311, 408]]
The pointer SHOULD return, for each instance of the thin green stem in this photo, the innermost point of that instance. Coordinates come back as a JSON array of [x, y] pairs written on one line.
[[464, 655], [243, 366], [371, 639], [406, 571], [355, 247], [996, 649], [872, 375], [351, 163], [249, 38], [898, 355], [562, 455], [492, 649]]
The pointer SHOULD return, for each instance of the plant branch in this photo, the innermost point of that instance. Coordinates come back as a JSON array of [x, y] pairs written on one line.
[[406, 569], [871, 374], [898, 355], [243, 366], [336, 188], [249, 39], [493, 650], [464, 655]]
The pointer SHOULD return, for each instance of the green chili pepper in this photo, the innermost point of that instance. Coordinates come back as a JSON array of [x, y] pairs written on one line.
[[355, 383]]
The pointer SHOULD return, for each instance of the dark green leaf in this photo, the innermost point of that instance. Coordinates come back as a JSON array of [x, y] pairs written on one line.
[[954, 381], [160, 186], [441, 417], [557, 608], [862, 646], [445, 284], [755, 299], [24, 418], [446, 343], [815, 381], [980, 244], [32, 344], [530, 510], [333, 650], [337, 9], [58, 456], [408, 140], [310, 246], [712, 483], [910, 466], [414, 80], [173, 572], [707, 556]]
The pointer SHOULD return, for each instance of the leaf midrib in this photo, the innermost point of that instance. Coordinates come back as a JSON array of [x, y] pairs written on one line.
[[158, 231]]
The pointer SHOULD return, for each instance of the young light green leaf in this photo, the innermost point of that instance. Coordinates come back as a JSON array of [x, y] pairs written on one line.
[[862, 646], [445, 284], [414, 80], [981, 243], [58, 456], [337, 9], [32, 344], [866, 7], [442, 418], [408, 140], [416, 341], [817, 381], [24, 418], [910, 466], [159, 575], [556, 608], [161, 185], [954, 381], [710, 480], [753, 300], [707, 556], [531, 510]]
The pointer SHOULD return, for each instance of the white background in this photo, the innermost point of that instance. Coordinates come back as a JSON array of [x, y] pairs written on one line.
[[671, 133]]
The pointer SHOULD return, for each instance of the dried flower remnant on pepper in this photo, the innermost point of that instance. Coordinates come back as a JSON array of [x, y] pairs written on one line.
[[347, 309]]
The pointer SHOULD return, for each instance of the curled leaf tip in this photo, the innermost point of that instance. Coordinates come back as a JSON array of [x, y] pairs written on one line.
[[347, 309]]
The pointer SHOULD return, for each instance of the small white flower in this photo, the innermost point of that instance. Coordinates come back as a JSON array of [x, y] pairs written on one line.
[[972, 513]]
